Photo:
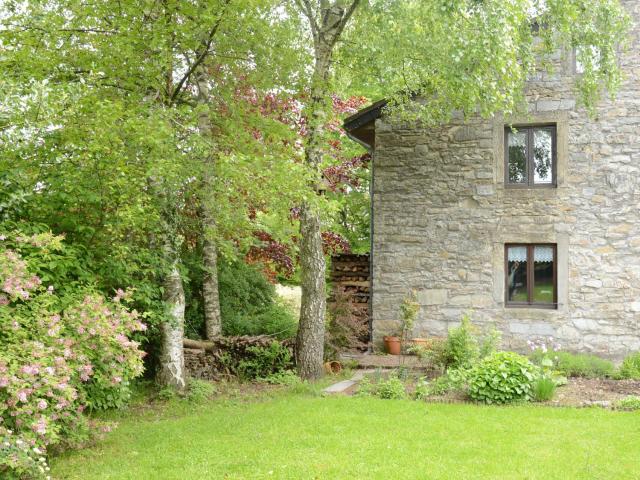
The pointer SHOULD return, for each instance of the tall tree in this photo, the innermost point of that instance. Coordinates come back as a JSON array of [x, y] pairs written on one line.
[[99, 120], [326, 20]]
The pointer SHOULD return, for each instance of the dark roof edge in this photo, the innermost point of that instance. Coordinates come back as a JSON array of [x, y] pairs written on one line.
[[364, 116]]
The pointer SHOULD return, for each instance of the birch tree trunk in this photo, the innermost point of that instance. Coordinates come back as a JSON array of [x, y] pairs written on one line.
[[171, 372], [327, 21], [212, 317]]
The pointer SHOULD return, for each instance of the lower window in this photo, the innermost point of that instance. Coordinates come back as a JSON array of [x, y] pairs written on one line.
[[531, 275]]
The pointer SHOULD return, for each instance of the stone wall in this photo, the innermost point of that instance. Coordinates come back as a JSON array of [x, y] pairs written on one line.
[[442, 217]]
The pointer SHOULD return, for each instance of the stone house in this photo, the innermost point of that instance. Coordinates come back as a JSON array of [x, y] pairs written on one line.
[[535, 231]]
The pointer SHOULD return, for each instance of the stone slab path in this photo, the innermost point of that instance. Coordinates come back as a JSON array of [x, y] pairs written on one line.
[[342, 386]]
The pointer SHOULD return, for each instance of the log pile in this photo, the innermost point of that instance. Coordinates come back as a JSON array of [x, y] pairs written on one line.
[[350, 274], [213, 360]]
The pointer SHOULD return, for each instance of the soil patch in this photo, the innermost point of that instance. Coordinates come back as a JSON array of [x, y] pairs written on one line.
[[581, 392]]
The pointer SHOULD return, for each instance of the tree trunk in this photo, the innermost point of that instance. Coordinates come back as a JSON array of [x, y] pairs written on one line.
[[212, 317], [327, 24], [171, 372], [310, 339]]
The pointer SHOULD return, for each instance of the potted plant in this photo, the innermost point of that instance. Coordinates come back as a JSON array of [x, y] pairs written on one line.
[[392, 344], [408, 313]]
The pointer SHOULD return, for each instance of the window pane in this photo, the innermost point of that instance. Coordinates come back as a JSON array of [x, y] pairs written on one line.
[[517, 274], [517, 145], [543, 274], [542, 156]]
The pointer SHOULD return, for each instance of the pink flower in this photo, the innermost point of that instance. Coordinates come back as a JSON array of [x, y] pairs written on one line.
[[30, 370], [22, 396], [4, 382], [42, 404], [40, 426], [115, 380]]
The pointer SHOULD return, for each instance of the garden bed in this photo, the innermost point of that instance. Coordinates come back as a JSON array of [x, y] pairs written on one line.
[[578, 392]]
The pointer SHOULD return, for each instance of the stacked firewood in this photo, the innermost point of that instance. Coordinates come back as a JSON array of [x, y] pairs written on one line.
[[212, 360], [350, 279]]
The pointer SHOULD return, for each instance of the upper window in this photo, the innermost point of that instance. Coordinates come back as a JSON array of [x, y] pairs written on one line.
[[530, 156], [531, 275]]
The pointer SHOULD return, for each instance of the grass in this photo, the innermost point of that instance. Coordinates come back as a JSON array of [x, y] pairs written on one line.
[[301, 436]]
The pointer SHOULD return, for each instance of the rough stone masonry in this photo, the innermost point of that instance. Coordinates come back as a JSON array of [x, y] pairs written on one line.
[[442, 216]]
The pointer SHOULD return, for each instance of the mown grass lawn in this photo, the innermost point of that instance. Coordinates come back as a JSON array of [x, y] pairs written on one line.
[[298, 436]]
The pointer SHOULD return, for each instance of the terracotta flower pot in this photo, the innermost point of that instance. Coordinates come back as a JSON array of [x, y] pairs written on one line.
[[392, 345], [333, 367]]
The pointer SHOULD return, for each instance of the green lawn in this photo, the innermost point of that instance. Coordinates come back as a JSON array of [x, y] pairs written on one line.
[[307, 437]]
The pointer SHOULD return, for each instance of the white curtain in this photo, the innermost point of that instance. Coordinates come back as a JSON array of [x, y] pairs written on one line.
[[517, 254], [540, 254]]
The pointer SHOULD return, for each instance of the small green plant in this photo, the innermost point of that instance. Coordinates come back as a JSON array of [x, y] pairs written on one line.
[[544, 388], [432, 355], [422, 390], [630, 367], [439, 386], [501, 378], [409, 312], [199, 391], [167, 393], [461, 349], [365, 388], [286, 377], [630, 403], [583, 365], [391, 389], [490, 342]]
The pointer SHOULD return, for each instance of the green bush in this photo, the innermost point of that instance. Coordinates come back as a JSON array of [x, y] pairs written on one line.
[[582, 365], [501, 378], [391, 389], [265, 361], [199, 391], [249, 304], [463, 347], [544, 389], [630, 367], [630, 403]]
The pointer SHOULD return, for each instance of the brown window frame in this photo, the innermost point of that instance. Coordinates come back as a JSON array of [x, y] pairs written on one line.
[[530, 276], [530, 163]]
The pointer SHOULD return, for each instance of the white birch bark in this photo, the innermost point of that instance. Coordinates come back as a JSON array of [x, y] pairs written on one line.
[[171, 372], [327, 21]]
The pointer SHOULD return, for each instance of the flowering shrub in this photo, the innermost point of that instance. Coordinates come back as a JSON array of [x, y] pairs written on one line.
[[61, 354], [20, 460]]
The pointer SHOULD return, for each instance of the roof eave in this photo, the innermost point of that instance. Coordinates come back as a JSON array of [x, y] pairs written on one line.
[[360, 125]]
